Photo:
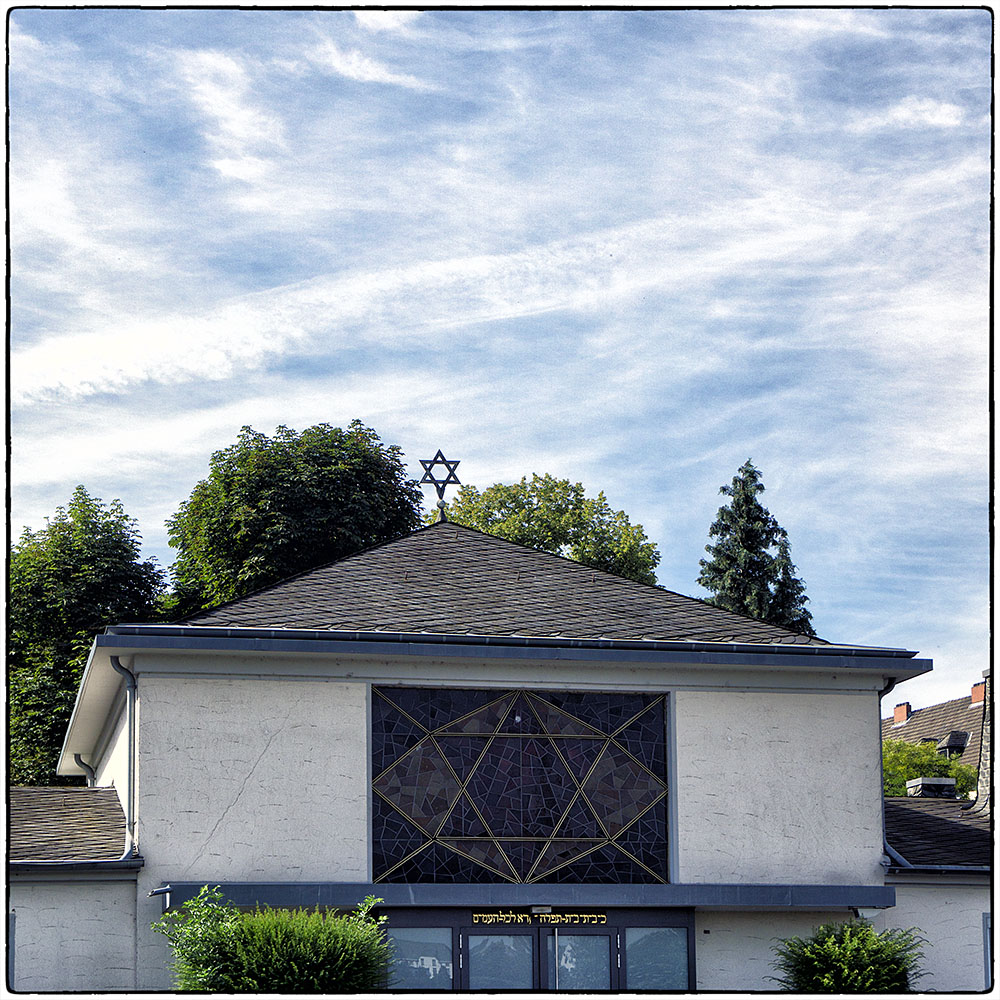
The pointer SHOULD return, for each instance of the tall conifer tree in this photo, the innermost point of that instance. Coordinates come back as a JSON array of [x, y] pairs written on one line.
[[750, 570]]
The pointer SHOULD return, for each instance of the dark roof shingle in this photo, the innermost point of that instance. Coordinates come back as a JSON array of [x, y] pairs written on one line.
[[65, 824], [447, 578], [941, 832]]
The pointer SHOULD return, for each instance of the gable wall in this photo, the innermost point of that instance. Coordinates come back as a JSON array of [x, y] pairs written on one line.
[[247, 779], [247, 776], [777, 787]]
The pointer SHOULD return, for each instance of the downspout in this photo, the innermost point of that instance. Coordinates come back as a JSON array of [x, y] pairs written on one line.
[[130, 699], [87, 769], [887, 848]]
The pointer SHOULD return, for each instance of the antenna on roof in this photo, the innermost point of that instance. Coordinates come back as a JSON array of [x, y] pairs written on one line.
[[439, 484]]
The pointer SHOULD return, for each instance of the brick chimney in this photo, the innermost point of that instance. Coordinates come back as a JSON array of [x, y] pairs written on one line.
[[978, 693], [901, 714]]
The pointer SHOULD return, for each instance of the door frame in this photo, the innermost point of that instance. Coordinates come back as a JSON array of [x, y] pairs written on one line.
[[543, 921]]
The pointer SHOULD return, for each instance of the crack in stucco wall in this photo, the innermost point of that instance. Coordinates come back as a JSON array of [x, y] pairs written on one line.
[[239, 793]]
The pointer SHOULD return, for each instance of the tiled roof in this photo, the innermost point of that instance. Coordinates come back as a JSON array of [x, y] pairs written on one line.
[[938, 832], [450, 579], [65, 824], [937, 722]]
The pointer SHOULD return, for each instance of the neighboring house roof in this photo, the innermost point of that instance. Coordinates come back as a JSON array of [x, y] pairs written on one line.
[[938, 832], [65, 824], [450, 579], [939, 723]]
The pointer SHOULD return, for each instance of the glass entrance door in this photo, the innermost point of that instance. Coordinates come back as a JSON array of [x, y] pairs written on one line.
[[506, 951], [540, 958], [500, 962], [576, 960]]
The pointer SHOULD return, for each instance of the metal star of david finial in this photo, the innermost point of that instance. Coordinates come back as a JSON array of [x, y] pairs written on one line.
[[439, 484]]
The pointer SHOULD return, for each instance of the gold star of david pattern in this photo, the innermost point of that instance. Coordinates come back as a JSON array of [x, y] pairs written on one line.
[[518, 786]]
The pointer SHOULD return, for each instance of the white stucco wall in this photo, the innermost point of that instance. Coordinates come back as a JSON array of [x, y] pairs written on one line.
[[734, 951], [950, 919], [777, 787], [248, 779], [71, 936], [112, 768]]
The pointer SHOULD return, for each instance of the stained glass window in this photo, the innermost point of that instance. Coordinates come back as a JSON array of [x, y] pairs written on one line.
[[518, 786]]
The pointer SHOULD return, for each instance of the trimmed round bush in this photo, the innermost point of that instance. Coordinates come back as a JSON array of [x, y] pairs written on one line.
[[849, 958]]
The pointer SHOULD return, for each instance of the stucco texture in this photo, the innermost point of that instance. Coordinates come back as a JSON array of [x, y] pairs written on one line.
[[73, 936], [777, 788], [734, 951], [950, 919], [248, 779]]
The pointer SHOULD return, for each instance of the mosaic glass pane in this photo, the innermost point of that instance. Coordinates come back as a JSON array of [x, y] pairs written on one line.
[[421, 785], [619, 789], [393, 734], [643, 737], [646, 839], [525, 786], [439, 863], [580, 821], [463, 821]]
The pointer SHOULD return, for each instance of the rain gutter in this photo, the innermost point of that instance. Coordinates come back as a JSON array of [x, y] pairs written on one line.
[[200, 637], [890, 851], [30, 867], [907, 869]]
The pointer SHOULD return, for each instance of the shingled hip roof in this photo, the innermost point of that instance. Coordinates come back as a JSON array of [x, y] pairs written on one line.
[[938, 833], [65, 824], [938, 723], [449, 579]]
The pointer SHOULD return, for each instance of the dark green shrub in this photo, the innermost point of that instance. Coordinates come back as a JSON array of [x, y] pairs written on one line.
[[849, 958], [219, 949]]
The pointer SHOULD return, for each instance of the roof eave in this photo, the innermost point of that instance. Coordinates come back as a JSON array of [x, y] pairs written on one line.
[[100, 683], [939, 870], [207, 632], [28, 866]]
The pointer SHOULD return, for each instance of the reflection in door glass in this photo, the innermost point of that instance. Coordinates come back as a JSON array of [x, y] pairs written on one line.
[[500, 962], [422, 958], [656, 958], [584, 962]]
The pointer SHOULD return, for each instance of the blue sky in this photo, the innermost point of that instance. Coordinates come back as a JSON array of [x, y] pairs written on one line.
[[628, 248]]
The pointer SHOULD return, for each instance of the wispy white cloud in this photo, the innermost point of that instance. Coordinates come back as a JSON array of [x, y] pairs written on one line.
[[386, 20], [355, 65], [630, 248], [236, 128], [820, 23], [403, 303], [911, 112]]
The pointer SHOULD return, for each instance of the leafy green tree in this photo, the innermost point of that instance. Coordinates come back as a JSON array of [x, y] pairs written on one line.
[[751, 570], [850, 958], [903, 761], [556, 516], [275, 506], [218, 949], [67, 581]]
